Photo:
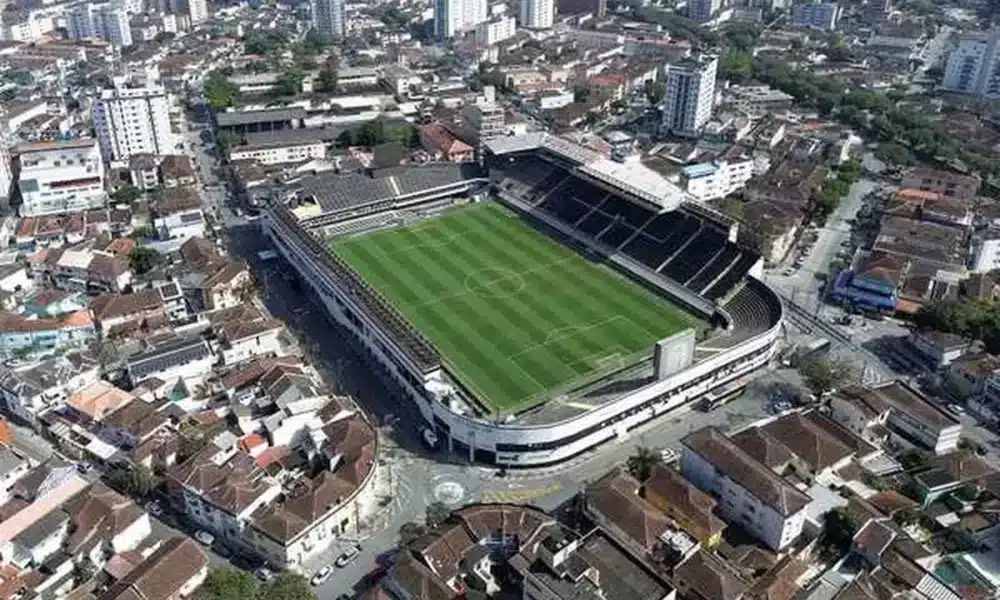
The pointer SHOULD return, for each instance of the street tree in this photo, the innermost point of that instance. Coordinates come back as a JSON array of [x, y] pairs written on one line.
[[143, 259], [824, 374], [640, 464], [838, 532], [225, 583], [409, 532], [286, 586], [437, 513]]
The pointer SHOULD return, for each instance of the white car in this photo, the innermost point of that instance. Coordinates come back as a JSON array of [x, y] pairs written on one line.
[[430, 438], [348, 556], [958, 409], [264, 574], [669, 455], [319, 577], [204, 537]]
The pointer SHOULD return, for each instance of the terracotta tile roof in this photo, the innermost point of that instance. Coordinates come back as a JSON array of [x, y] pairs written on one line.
[[708, 577], [12, 323], [484, 520], [780, 582], [764, 447], [419, 581], [964, 466], [889, 502], [252, 441], [225, 274], [443, 551], [322, 494], [99, 513], [137, 418], [874, 537], [749, 473], [691, 508], [200, 254], [257, 369], [615, 498], [99, 399], [113, 305], [810, 442], [162, 575]]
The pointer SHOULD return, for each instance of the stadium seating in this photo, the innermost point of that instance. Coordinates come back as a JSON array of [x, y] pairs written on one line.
[[753, 309], [694, 255], [678, 244], [566, 209], [594, 223], [369, 223], [733, 276], [716, 267], [616, 234]]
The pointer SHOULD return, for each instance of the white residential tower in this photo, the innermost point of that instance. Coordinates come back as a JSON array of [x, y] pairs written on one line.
[[133, 120], [690, 93]]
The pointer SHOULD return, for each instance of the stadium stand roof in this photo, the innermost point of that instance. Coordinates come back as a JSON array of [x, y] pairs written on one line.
[[335, 192], [247, 117], [633, 178]]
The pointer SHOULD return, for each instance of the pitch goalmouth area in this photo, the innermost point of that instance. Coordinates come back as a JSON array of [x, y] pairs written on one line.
[[515, 314]]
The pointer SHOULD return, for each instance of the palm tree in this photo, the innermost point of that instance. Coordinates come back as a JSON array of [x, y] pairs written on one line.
[[640, 464]]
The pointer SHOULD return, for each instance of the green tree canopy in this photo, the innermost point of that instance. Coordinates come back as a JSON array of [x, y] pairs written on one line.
[[824, 374], [143, 259], [219, 91], [127, 193], [838, 532], [640, 464], [287, 586], [227, 584]]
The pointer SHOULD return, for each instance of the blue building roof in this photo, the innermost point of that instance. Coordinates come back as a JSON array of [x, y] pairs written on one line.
[[699, 170]]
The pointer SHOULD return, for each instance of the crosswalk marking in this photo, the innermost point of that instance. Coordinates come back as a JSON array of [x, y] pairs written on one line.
[[519, 495]]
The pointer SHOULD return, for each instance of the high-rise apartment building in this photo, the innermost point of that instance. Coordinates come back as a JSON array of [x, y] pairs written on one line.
[[582, 7], [452, 17], [60, 177], [537, 14], [690, 94], [816, 15], [106, 21], [495, 30], [974, 65], [197, 11], [703, 10], [328, 18], [133, 119]]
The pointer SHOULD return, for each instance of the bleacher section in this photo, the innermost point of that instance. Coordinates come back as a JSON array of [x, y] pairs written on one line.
[[362, 225], [688, 248], [753, 309], [529, 178]]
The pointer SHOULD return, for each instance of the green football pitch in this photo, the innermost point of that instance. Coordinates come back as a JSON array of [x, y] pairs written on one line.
[[516, 315]]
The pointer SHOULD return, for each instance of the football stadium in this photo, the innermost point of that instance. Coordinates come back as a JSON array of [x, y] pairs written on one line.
[[538, 305]]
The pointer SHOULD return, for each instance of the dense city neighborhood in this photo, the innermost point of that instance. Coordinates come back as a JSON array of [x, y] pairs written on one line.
[[468, 299]]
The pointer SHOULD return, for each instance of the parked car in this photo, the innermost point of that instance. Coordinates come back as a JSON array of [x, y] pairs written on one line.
[[154, 508], [348, 556], [204, 537], [957, 409], [319, 577], [669, 455], [429, 438], [264, 574]]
